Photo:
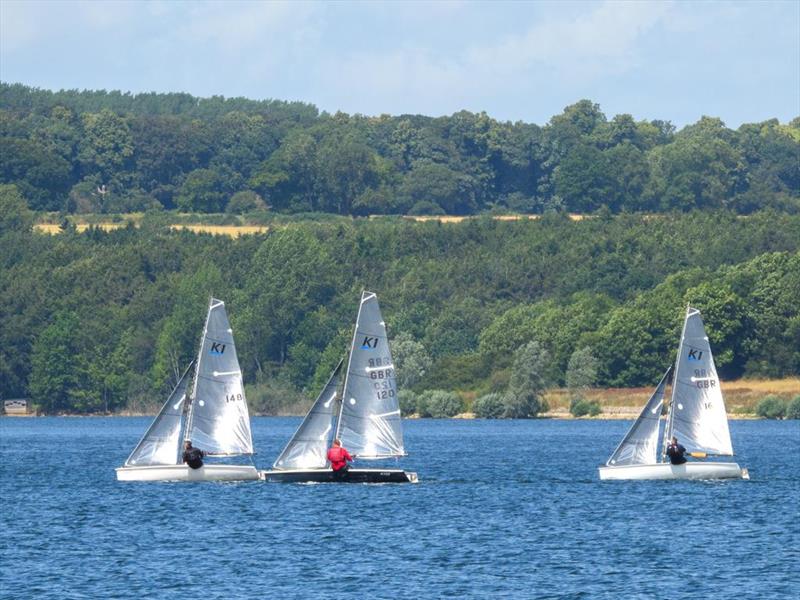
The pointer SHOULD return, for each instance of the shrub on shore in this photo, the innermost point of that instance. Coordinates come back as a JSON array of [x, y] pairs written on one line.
[[408, 402], [771, 407], [439, 404], [580, 407], [793, 408], [489, 406]]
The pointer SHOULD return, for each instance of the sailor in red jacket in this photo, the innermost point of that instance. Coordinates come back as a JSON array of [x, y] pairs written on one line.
[[338, 458]]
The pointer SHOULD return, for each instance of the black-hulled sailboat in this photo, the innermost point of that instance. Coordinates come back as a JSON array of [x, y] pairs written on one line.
[[365, 416]]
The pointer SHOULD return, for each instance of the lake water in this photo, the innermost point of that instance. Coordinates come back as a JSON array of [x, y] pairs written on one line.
[[504, 509]]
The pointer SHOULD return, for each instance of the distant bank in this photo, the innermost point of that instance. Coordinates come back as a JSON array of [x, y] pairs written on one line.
[[742, 398]]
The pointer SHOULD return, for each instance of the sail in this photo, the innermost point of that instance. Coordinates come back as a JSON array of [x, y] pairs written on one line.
[[160, 443], [697, 411], [369, 422], [219, 422], [640, 444], [309, 445]]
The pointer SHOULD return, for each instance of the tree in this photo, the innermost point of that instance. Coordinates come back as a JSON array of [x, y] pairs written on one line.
[[180, 333], [489, 406], [289, 275], [42, 177], [411, 360], [438, 184], [203, 191], [106, 144], [523, 399], [14, 212], [244, 202], [581, 372], [440, 404], [58, 365]]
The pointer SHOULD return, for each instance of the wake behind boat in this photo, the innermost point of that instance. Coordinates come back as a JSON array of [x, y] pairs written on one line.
[[696, 416], [366, 414], [217, 420]]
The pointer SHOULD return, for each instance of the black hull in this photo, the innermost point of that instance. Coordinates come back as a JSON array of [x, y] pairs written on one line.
[[352, 476]]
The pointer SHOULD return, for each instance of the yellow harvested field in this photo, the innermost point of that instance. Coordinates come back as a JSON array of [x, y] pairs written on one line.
[[52, 228], [233, 231]]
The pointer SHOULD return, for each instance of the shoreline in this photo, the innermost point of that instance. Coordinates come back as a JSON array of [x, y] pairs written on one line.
[[563, 415]]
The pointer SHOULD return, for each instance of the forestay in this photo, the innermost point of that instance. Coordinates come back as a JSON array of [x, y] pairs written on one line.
[[640, 444], [369, 421], [160, 443], [697, 413], [308, 447], [219, 422]]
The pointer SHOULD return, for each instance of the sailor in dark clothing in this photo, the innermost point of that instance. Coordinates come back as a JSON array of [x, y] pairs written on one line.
[[193, 456], [675, 452]]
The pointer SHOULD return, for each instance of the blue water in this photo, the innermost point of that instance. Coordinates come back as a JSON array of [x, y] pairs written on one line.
[[504, 509]]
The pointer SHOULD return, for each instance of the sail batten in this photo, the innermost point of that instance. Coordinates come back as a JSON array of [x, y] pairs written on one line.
[[369, 421], [161, 442], [219, 420], [309, 445], [640, 444], [697, 412]]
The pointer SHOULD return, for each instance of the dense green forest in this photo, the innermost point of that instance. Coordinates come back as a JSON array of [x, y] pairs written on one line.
[[112, 152], [100, 319]]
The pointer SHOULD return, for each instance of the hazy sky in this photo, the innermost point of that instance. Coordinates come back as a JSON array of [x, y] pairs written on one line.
[[517, 61]]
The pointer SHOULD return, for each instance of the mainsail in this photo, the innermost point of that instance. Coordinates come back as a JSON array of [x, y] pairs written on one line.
[[697, 411], [369, 421], [159, 445], [640, 444], [308, 447], [219, 422]]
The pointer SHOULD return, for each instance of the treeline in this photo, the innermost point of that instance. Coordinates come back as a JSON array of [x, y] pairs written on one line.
[[97, 151], [102, 319]]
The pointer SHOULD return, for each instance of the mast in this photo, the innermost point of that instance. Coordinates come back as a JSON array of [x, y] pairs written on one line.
[[347, 372], [670, 411], [190, 411]]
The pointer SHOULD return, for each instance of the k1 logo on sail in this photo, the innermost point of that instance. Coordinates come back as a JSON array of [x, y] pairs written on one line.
[[695, 354], [369, 343], [217, 349]]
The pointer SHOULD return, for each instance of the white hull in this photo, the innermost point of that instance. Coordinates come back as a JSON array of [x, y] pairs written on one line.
[[689, 470], [185, 473]]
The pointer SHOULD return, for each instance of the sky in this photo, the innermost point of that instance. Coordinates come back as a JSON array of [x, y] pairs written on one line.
[[517, 61]]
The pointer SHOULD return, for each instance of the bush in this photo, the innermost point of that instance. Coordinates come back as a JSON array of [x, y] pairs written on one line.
[[521, 405], [440, 404], [489, 406], [276, 397], [245, 201], [580, 407], [793, 408], [408, 402], [771, 407]]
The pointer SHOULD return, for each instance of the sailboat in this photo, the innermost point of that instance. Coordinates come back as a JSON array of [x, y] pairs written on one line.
[[695, 415], [215, 414], [365, 417]]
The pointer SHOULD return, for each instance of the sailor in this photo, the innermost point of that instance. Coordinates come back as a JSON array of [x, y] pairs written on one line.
[[193, 456], [338, 458], [675, 452]]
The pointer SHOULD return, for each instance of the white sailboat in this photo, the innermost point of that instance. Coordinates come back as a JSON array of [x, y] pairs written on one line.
[[366, 414], [696, 416], [217, 420]]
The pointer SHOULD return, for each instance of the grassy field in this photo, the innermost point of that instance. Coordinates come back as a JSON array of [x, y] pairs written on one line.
[[741, 397]]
